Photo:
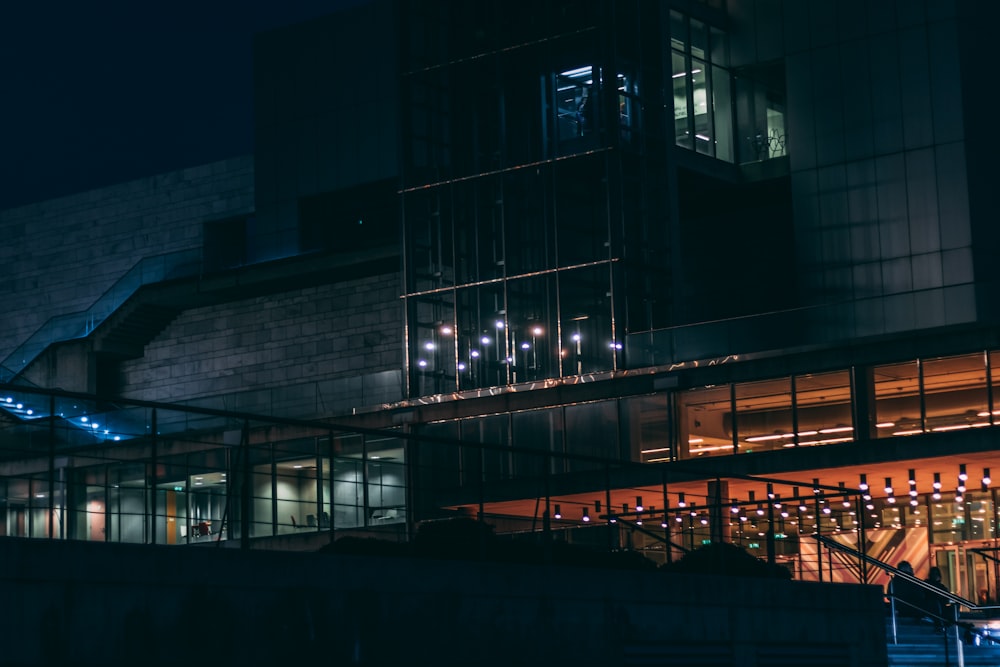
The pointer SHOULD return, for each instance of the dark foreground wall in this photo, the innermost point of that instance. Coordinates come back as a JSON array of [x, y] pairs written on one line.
[[96, 604]]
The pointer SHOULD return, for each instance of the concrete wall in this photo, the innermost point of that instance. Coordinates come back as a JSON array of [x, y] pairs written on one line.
[[297, 337], [89, 604], [59, 256]]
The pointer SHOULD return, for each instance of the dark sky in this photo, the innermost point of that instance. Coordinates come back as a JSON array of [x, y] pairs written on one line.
[[95, 93]]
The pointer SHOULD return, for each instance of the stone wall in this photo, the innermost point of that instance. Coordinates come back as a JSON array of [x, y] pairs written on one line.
[[59, 256], [299, 337]]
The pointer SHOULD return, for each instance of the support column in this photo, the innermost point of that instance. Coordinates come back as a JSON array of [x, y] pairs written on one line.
[[718, 514]]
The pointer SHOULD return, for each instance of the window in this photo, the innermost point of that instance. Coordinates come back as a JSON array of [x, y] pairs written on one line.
[[701, 88]]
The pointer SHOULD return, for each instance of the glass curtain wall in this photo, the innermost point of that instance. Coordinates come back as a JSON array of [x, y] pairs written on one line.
[[166, 476], [513, 203]]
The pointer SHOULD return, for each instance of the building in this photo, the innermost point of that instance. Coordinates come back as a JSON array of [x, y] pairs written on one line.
[[543, 263]]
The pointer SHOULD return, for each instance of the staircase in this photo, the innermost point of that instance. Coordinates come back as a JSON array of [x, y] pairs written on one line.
[[918, 643]]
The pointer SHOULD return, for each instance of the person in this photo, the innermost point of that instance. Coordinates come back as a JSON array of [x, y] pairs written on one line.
[[909, 595], [932, 603]]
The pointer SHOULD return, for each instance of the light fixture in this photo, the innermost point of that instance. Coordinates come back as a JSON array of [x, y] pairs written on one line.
[[770, 491], [558, 514], [525, 345], [499, 324], [816, 485], [734, 506], [680, 500], [586, 516], [575, 338], [536, 331], [912, 479], [864, 482], [961, 484], [445, 330], [474, 354], [846, 502], [428, 345], [638, 503], [962, 475], [986, 479], [485, 340]]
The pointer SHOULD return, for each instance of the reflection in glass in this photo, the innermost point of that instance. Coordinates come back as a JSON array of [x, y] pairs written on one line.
[[705, 422], [897, 400], [955, 395], [764, 415]]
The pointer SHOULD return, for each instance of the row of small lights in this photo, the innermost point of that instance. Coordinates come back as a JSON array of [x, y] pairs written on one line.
[[85, 422], [825, 508], [474, 353]]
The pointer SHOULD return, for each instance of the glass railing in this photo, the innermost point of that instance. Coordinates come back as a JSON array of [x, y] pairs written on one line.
[[718, 341], [181, 264]]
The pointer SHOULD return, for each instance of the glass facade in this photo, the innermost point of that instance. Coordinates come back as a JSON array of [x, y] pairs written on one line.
[[75, 468], [522, 180]]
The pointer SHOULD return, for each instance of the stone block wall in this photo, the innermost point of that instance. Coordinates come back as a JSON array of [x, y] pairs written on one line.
[[295, 338], [60, 255]]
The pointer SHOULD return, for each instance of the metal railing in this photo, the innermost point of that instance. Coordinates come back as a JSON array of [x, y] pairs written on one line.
[[946, 600], [180, 264]]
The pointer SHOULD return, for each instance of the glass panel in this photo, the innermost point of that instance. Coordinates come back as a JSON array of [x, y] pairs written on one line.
[[646, 428], [587, 344], [532, 328], [386, 481], [538, 430], [575, 103], [261, 495], [495, 430], [592, 430], [127, 502], [955, 393], [347, 478], [702, 120], [722, 114], [482, 337], [823, 407], [705, 422], [682, 129], [764, 415], [897, 400]]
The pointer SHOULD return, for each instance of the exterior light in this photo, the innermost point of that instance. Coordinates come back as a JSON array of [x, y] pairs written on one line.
[[485, 340], [461, 366], [734, 508], [525, 345], [536, 331], [586, 516], [770, 491], [429, 345], [638, 503], [499, 324], [575, 338], [446, 330], [474, 354], [422, 363], [558, 514]]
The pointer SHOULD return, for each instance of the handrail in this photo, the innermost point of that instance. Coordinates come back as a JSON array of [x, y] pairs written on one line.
[[948, 595], [148, 270]]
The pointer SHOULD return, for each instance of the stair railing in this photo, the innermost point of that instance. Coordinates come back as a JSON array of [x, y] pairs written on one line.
[[180, 264], [950, 599]]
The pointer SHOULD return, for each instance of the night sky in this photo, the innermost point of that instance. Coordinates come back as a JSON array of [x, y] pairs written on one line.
[[93, 94]]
